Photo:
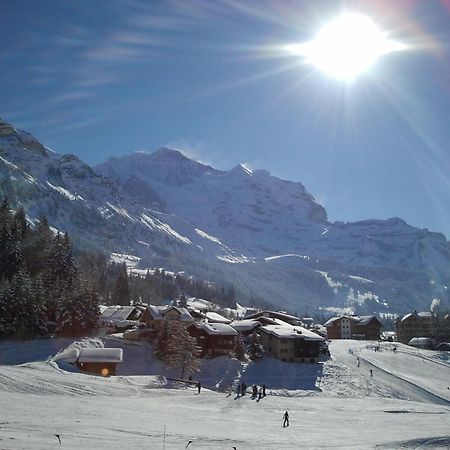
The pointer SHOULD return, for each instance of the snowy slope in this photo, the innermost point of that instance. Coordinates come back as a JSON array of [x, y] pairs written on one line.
[[347, 410]]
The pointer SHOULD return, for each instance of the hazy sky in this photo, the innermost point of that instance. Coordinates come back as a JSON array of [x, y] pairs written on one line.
[[102, 78]]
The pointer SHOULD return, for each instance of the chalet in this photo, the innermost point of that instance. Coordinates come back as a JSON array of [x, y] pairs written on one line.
[[291, 343], [414, 325], [154, 316], [214, 339], [354, 327], [100, 361]]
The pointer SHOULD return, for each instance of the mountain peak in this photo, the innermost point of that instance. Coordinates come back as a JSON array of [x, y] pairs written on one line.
[[169, 153], [240, 169]]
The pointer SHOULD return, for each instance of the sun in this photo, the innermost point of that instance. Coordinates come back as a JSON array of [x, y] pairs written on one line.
[[347, 46]]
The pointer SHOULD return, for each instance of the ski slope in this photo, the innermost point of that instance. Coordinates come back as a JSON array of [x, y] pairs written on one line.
[[345, 408]]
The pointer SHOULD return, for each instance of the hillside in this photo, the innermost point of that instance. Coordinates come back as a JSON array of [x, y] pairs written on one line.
[[268, 237]]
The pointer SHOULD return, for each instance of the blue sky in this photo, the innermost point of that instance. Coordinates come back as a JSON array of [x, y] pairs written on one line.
[[106, 78]]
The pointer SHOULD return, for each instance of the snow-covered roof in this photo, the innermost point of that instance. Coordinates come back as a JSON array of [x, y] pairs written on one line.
[[217, 328], [198, 303], [273, 314], [123, 313], [216, 317], [184, 313], [291, 332], [159, 312], [245, 324], [358, 320], [106, 355], [364, 320], [420, 341], [420, 315], [119, 315], [109, 312], [156, 311], [330, 322]]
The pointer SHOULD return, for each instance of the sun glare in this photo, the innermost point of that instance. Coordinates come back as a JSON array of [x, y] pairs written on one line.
[[347, 46]]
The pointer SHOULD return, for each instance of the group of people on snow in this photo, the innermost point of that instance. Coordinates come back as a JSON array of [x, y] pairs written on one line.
[[257, 392]]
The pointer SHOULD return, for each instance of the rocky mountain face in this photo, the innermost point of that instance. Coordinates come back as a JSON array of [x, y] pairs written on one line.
[[266, 236]]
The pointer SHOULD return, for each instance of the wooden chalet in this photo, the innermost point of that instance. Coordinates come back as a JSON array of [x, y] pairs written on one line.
[[99, 361]]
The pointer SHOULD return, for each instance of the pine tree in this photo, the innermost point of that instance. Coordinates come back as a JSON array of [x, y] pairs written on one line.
[[255, 349], [7, 327], [121, 293], [36, 252], [239, 348], [11, 258], [160, 342]]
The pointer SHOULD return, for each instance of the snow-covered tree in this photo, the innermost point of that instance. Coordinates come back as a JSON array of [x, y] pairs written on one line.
[[77, 312], [239, 348], [255, 349], [178, 349]]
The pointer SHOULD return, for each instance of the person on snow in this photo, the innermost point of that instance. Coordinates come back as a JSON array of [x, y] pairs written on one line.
[[254, 391], [199, 386], [286, 419], [371, 373], [260, 393], [358, 361], [264, 390]]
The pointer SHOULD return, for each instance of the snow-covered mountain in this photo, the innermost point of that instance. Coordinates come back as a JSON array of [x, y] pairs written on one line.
[[267, 236]]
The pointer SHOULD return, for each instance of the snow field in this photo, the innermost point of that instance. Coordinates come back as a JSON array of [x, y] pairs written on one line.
[[344, 408]]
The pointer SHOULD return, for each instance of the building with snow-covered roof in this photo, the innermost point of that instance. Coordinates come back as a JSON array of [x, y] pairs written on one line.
[[354, 327], [414, 325], [214, 339], [154, 316], [100, 361], [291, 343]]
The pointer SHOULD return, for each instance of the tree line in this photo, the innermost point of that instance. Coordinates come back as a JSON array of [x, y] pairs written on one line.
[[41, 291]]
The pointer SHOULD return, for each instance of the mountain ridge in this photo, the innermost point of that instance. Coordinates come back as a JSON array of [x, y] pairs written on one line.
[[267, 236]]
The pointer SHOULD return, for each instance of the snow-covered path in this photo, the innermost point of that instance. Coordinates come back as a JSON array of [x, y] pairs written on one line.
[[410, 373]]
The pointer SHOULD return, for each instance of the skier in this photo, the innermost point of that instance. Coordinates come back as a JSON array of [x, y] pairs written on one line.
[[371, 373], [199, 386], [358, 361], [264, 390], [244, 389], [254, 391], [286, 419]]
